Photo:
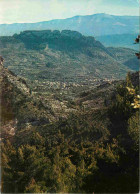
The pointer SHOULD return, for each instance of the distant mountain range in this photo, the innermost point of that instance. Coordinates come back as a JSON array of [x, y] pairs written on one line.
[[90, 25], [119, 40]]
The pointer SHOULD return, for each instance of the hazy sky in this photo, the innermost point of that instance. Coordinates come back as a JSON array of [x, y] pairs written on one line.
[[12, 11]]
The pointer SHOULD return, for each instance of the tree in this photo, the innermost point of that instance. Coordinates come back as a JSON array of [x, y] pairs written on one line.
[[22, 165], [137, 40], [33, 187]]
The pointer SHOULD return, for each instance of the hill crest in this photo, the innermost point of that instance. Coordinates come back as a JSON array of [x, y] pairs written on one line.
[[87, 25]]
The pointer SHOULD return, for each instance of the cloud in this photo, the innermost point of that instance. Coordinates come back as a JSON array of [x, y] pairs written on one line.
[[121, 2], [12, 11]]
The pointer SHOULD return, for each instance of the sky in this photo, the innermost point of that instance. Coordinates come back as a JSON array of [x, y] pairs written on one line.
[[23, 11]]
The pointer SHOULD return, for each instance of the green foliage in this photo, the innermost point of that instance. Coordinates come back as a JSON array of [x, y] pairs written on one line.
[[124, 127], [33, 188], [133, 130], [90, 151], [128, 80], [121, 108], [26, 162]]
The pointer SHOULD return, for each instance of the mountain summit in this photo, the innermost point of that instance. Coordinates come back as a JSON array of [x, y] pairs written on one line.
[[95, 25], [55, 55]]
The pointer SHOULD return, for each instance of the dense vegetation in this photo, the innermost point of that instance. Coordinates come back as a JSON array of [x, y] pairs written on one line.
[[58, 56], [67, 125], [93, 150]]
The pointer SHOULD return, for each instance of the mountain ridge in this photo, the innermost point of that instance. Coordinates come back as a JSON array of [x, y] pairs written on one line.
[[67, 18], [119, 40], [87, 25], [70, 54]]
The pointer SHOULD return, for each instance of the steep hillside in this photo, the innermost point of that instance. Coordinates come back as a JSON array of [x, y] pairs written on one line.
[[97, 25], [95, 148], [20, 108], [126, 56], [46, 55]]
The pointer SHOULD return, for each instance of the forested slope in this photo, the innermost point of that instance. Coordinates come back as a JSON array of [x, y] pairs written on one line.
[[92, 150]]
